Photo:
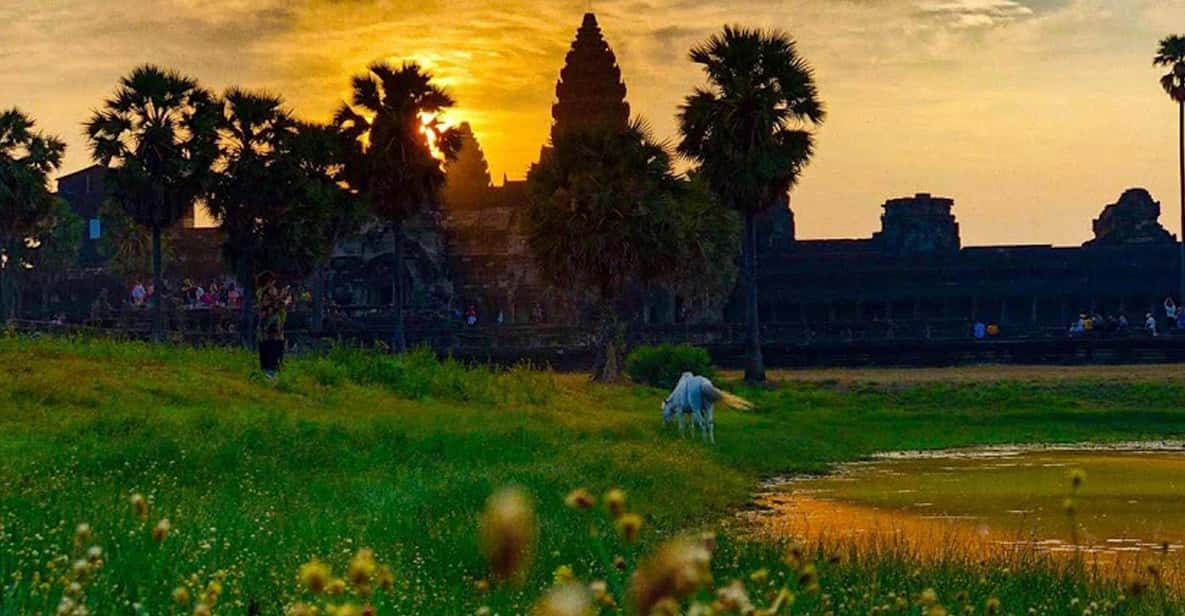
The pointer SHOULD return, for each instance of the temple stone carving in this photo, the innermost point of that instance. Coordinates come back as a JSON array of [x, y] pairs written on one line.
[[1134, 219], [918, 225]]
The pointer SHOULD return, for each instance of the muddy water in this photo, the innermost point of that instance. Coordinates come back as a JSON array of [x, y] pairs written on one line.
[[1130, 508]]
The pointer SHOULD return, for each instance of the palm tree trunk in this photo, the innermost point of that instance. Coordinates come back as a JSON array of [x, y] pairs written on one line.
[[398, 336], [317, 310], [1181, 162], [158, 293], [754, 363]]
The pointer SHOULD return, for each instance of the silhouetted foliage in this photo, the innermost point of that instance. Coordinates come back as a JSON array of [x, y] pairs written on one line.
[[749, 131], [27, 158], [158, 136], [276, 192], [602, 218], [393, 127]]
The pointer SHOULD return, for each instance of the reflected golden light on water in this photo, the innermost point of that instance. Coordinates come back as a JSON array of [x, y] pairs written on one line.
[[1004, 510]]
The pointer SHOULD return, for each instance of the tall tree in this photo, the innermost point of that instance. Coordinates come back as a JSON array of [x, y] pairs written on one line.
[[27, 158], [750, 131], [396, 132], [1172, 54], [602, 220], [158, 135], [276, 193], [53, 249]]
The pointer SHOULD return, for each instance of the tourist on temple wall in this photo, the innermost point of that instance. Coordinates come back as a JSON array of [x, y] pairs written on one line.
[[272, 311], [138, 294], [980, 330], [1150, 323], [1170, 313]]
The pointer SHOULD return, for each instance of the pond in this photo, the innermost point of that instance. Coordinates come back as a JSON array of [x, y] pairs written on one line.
[[1130, 506]]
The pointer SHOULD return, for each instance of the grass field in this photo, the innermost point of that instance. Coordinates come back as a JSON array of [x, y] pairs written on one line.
[[399, 455]]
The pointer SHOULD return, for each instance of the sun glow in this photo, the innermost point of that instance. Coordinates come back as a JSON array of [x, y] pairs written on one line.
[[433, 126]]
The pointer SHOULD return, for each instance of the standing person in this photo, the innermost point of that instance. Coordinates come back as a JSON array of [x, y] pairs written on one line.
[[272, 307], [138, 294], [1170, 313]]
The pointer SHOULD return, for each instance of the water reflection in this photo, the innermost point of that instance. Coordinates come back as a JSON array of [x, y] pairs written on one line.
[[1131, 507]]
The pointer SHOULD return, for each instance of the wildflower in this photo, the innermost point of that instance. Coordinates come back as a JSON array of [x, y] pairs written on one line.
[[563, 575], [619, 563], [362, 568], [509, 534], [734, 598], [1077, 477], [600, 591], [482, 586], [202, 609], [336, 586], [676, 570], [759, 576], [784, 598], [579, 499], [928, 597], [992, 607], [94, 554], [161, 530], [314, 575], [345, 609], [808, 577], [302, 609], [140, 507], [1069, 506], [181, 596], [564, 600], [483, 611], [213, 591], [615, 502], [795, 556], [629, 525], [81, 534], [385, 577]]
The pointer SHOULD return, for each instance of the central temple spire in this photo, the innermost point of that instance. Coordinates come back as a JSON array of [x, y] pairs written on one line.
[[590, 92]]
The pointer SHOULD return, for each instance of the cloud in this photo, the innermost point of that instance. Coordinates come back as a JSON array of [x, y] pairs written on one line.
[[983, 99]]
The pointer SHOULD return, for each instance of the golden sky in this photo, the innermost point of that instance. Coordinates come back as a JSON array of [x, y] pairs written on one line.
[[1031, 114]]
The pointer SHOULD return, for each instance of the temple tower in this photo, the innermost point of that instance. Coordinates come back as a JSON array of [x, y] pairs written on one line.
[[467, 178], [590, 92], [918, 225]]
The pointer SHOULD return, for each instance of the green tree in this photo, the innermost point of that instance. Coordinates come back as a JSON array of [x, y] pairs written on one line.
[[27, 158], [705, 273], [750, 132], [158, 135], [53, 249], [395, 130], [601, 219], [276, 193], [1172, 54]]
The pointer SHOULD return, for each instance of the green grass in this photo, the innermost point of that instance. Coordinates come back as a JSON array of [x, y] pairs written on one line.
[[355, 449]]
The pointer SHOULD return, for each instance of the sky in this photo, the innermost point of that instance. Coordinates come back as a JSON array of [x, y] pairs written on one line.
[[1031, 114]]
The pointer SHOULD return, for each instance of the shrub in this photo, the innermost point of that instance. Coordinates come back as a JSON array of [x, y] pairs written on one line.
[[660, 366]]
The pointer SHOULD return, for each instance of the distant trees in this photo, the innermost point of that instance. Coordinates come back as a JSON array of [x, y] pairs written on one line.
[[275, 193], [602, 221], [27, 159], [158, 136], [396, 135], [1171, 53], [750, 133]]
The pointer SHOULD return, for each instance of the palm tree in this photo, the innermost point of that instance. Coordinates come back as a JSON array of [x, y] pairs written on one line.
[[247, 194], [1172, 54], [602, 221], [750, 133], [394, 126], [27, 158], [158, 135]]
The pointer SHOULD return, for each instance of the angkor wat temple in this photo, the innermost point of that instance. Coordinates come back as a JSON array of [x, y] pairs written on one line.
[[912, 279]]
